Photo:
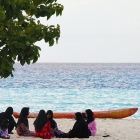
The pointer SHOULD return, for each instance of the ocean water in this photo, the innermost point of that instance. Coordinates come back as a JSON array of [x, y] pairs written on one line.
[[68, 87]]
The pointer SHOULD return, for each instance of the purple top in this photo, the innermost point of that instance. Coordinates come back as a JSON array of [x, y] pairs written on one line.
[[92, 128]]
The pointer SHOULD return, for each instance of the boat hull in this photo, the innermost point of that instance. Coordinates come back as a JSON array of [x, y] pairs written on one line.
[[114, 114]]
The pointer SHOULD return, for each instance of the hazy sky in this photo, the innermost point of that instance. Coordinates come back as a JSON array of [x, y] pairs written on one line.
[[95, 31]]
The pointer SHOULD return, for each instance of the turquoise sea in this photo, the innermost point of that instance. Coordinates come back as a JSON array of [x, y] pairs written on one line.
[[72, 87]]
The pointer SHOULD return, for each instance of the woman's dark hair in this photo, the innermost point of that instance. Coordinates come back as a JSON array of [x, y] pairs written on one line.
[[9, 110], [90, 117], [53, 123], [83, 115], [23, 116], [78, 116], [4, 125], [40, 120], [50, 112], [5, 121]]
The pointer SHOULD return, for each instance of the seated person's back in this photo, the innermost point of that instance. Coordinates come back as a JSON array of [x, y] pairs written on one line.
[[79, 130], [91, 122], [22, 124], [8, 115]]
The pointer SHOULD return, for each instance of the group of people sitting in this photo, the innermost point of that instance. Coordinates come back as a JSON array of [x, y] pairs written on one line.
[[45, 126]]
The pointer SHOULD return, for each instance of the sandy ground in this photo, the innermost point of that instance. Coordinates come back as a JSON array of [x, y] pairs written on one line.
[[117, 129]]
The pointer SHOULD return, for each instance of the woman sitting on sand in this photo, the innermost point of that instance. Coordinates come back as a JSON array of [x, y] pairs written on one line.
[[54, 128], [79, 130], [42, 126], [22, 124], [8, 115], [91, 122]]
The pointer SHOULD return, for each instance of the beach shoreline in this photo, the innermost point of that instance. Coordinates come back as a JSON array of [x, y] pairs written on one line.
[[117, 129]]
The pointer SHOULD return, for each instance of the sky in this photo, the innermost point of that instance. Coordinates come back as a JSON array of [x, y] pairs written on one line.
[[95, 31]]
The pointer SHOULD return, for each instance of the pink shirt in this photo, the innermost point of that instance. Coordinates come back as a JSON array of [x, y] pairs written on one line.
[[23, 130], [92, 128]]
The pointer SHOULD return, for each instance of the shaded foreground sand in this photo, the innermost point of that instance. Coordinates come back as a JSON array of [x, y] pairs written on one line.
[[118, 129]]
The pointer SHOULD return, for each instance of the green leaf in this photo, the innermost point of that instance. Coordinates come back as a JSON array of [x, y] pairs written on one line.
[[14, 56], [35, 59], [19, 58], [3, 65], [1, 28], [30, 30], [28, 43], [2, 15], [51, 42], [22, 62], [28, 61], [36, 2], [38, 21]]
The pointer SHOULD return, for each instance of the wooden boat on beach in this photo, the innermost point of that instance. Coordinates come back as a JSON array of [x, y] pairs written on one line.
[[114, 114]]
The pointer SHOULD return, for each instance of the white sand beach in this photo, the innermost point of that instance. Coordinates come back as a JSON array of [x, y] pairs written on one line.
[[117, 129]]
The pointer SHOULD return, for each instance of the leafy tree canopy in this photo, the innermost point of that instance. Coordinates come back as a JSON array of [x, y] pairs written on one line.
[[20, 29]]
